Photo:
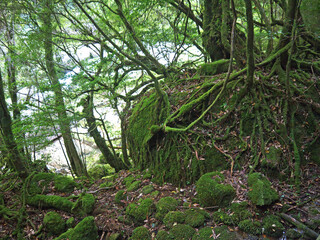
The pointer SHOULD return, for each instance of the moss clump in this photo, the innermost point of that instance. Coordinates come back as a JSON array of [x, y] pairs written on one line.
[[64, 184], [40, 182], [71, 222], [163, 235], [140, 212], [120, 195], [182, 231], [99, 170], [212, 193], [239, 212], [272, 226], [222, 217], [225, 234], [147, 176], [214, 68], [260, 192], [128, 180], [147, 189], [50, 201], [134, 186], [173, 217], [203, 234], [251, 227], [84, 205], [165, 205], [194, 218], [154, 194], [106, 184], [140, 233], [293, 234], [85, 230], [53, 223]]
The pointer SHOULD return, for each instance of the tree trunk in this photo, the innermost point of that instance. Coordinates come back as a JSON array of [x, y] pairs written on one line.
[[15, 157], [77, 165], [110, 158], [250, 37]]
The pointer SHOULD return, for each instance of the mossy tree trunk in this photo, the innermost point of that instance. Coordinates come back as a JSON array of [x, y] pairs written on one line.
[[76, 163], [250, 37], [110, 158], [14, 156]]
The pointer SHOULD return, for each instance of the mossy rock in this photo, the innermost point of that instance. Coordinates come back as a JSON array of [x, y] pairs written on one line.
[[99, 170], [251, 227], [272, 226], [203, 234], [113, 236], [85, 230], [53, 223], [50, 201], [134, 186], [128, 180], [71, 222], [293, 234], [39, 184], [208, 233], [212, 193], [64, 184], [194, 218], [222, 217], [164, 205], [173, 217], [213, 68], [261, 193], [120, 195], [225, 233], [240, 212], [140, 233], [163, 235], [155, 194], [84, 205], [182, 231], [147, 189], [140, 212]]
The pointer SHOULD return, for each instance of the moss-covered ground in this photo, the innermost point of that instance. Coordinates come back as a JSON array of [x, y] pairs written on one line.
[[164, 211]]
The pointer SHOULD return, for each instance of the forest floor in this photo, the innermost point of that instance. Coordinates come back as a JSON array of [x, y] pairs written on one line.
[[107, 212]]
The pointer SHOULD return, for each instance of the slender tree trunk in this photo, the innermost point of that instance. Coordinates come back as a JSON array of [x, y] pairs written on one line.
[[250, 37], [77, 165], [110, 158], [15, 157]]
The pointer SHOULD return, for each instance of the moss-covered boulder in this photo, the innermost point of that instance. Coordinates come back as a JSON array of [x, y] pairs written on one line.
[[261, 193], [213, 68], [251, 227], [164, 205], [120, 196], [272, 226], [182, 231], [53, 223], [85, 230], [203, 234], [64, 184], [147, 189], [293, 234], [173, 217], [99, 170], [239, 212], [134, 186], [39, 183], [71, 222], [139, 212], [194, 218], [84, 204], [221, 216], [225, 234], [212, 192], [140, 233], [163, 235], [50, 201]]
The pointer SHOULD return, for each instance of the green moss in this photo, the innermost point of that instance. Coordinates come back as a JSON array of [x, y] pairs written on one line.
[[182, 231], [212, 193], [272, 226], [165, 205], [50, 201], [71, 222], [147, 189], [84, 205], [99, 170], [155, 194], [120, 195], [40, 183], [114, 236], [53, 223], [85, 230], [106, 184], [194, 218], [260, 192], [252, 227], [224, 233], [239, 212], [147, 176], [214, 68], [203, 234], [216, 160], [163, 235], [141, 233], [173, 217], [140, 212], [64, 184], [128, 180], [222, 217], [134, 186]]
